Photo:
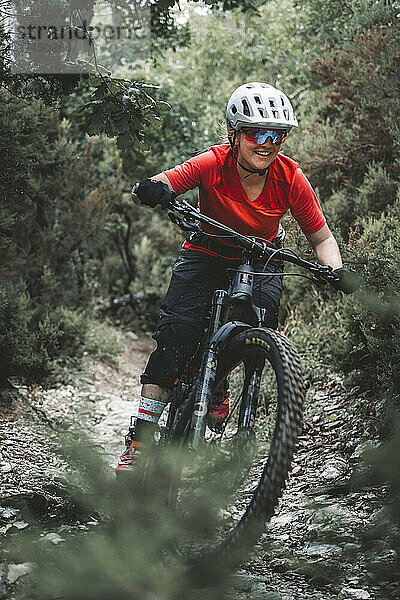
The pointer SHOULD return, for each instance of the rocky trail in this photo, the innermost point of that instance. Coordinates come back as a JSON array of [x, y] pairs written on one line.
[[321, 545]]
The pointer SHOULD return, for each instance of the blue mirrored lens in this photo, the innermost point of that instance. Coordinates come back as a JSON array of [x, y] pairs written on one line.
[[261, 136]]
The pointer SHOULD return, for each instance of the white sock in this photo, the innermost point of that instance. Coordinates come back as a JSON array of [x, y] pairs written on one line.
[[150, 410]]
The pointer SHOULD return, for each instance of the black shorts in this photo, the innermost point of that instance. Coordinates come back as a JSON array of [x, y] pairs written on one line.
[[195, 277]]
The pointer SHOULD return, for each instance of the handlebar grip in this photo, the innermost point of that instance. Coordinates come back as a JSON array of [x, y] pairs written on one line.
[[153, 192], [346, 280]]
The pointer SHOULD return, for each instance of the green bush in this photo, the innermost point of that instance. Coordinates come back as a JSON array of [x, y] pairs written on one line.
[[377, 191], [80, 334], [27, 344], [31, 344], [370, 347], [73, 327], [102, 340]]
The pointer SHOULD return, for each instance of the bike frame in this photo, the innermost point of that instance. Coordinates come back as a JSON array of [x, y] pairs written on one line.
[[219, 331]]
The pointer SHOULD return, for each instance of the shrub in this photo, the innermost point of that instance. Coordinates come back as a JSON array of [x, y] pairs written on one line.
[[27, 344], [377, 191], [80, 333], [369, 352]]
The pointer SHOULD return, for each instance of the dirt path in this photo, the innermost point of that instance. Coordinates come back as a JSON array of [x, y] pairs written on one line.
[[318, 546]]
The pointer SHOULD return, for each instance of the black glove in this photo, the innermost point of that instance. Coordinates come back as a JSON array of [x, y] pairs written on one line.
[[153, 193], [348, 280]]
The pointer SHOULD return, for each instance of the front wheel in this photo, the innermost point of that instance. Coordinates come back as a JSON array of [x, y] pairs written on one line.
[[237, 476]]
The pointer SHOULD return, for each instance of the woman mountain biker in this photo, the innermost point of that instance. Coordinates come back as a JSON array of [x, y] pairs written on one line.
[[248, 185]]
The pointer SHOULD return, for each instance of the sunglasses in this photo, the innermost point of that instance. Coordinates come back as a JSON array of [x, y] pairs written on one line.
[[260, 136]]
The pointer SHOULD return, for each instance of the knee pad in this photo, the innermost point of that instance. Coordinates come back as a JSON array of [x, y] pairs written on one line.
[[176, 342]]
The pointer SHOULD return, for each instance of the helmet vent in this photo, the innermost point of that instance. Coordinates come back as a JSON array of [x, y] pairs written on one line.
[[272, 102], [276, 114], [233, 109], [246, 108], [286, 113], [283, 101], [263, 112], [257, 99]]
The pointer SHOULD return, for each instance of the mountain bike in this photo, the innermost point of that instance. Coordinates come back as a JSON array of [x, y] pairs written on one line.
[[240, 470]]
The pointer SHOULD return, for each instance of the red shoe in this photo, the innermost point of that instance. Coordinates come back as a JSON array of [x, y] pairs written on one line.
[[219, 408], [127, 458]]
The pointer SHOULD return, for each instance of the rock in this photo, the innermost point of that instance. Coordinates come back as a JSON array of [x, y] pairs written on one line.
[[54, 538], [281, 520], [333, 515], [15, 571], [361, 449], [20, 524], [7, 397], [5, 467], [323, 550], [280, 565], [7, 514], [350, 548], [333, 469], [353, 594]]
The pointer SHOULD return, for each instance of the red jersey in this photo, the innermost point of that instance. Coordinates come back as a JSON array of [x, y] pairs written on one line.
[[222, 197]]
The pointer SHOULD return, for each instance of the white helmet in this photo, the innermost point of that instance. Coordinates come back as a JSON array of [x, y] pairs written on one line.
[[258, 104]]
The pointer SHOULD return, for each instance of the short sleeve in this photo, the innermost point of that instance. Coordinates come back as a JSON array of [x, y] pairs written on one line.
[[199, 171], [304, 204]]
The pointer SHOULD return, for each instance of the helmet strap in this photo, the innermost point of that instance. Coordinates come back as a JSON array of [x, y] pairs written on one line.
[[260, 172], [232, 140]]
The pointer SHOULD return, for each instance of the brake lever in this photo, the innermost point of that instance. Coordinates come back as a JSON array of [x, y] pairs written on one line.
[[319, 282], [323, 275], [186, 223]]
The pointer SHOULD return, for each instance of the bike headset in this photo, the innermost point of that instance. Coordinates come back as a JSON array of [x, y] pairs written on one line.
[[257, 105]]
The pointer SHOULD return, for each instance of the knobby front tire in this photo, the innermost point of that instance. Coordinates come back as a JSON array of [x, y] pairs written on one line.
[[285, 362], [271, 353]]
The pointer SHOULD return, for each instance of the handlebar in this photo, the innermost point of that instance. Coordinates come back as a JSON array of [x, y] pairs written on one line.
[[190, 221]]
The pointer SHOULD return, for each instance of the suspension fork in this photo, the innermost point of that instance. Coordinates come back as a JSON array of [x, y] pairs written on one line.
[[204, 389], [251, 390], [203, 394]]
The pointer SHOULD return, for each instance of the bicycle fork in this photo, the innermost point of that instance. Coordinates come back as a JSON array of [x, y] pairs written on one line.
[[203, 394], [208, 369], [250, 393]]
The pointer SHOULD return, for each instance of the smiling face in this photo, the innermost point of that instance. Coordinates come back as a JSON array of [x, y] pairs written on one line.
[[256, 156]]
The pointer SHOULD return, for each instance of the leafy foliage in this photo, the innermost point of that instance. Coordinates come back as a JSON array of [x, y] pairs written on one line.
[[52, 220], [120, 110], [231, 47], [351, 153], [27, 345], [356, 91], [371, 339], [333, 24]]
